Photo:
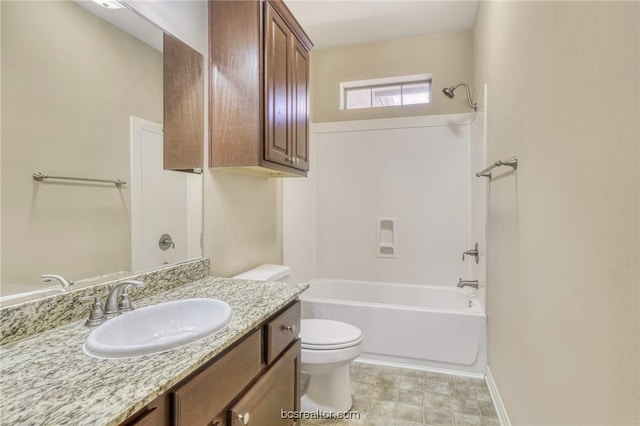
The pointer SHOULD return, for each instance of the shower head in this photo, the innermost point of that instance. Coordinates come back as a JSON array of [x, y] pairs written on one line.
[[448, 92]]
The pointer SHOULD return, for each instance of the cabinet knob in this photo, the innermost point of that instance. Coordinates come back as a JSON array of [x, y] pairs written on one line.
[[291, 328], [289, 159], [244, 418]]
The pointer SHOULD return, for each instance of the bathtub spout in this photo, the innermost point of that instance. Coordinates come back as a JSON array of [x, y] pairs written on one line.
[[468, 283]]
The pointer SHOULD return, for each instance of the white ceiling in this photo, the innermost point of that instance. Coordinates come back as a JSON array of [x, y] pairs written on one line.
[[332, 23], [127, 21]]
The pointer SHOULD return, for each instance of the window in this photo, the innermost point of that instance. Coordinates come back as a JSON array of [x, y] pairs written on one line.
[[389, 91]]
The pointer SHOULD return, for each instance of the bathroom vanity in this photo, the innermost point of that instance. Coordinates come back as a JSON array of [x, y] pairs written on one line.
[[244, 374], [247, 384]]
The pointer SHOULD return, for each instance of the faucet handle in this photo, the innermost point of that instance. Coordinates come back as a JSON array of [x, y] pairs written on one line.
[[472, 252], [97, 315], [124, 304], [112, 307]]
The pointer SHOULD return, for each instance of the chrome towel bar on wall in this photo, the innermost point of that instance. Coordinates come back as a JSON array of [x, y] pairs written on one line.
[[39, 176], [512, 162]]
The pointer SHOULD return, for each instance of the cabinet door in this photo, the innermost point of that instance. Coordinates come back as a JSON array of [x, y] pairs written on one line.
[[150, 418], [274, 395], [183, 106], [154, 414], [277, 96], [299, 105], [203, 400]]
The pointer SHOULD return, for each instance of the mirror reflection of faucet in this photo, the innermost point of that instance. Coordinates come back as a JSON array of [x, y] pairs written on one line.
[[166, 242], [64, 283], [472, 252]]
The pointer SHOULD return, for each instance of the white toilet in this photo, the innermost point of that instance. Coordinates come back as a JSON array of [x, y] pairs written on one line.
[[328, 347]]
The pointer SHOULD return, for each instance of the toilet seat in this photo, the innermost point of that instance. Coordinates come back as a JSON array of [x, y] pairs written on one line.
[[322, 334]]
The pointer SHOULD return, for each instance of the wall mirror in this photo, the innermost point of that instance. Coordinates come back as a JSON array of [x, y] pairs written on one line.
[[82, 97]]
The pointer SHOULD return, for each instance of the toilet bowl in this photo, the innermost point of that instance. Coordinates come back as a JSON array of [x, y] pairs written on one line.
[[328, 347]]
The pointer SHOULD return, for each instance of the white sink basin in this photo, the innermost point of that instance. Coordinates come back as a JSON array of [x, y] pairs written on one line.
[[158, 328]]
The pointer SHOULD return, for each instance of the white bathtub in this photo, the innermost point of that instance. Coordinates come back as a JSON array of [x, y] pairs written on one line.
[[430, 327]]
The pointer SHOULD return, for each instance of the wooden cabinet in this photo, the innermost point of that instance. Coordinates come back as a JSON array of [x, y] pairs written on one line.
[[274, 397], [203, 399], [259, 98], [183, 106], [154, 414], [281, 331], [255, 380]]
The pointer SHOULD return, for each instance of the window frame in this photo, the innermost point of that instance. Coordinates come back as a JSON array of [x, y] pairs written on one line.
[[377, 83]]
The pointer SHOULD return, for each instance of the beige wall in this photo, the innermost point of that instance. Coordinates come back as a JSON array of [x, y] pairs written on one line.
[[563, 233], [447, 56], [243, 221], [70, 83]]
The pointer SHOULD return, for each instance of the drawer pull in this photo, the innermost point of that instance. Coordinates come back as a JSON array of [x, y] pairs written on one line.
[[291, 328], [244, 418]]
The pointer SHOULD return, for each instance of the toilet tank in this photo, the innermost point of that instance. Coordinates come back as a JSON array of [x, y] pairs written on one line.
[[266, 272]]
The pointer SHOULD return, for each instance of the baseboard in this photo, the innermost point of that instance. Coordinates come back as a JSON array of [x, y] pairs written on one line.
[[497, 400], [420, 365]]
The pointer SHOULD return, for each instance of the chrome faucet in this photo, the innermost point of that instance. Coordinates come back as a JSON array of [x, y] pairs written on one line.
[[65, 283], [472, 252], [118, 301], [468, 283], [96, 317]]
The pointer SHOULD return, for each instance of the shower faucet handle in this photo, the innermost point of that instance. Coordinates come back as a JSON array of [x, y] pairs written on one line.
[[472, 252]]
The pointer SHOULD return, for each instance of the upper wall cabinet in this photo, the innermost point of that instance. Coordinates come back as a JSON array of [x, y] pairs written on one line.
[[259, 99], [183, 106]]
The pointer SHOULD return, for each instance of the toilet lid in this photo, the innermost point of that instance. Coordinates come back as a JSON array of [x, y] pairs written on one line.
[[328, 334]]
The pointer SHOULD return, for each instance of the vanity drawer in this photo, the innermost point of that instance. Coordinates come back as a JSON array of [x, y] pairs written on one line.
[[203, 399], [281, 331], [276, 391], [154, 414], [150, 418]]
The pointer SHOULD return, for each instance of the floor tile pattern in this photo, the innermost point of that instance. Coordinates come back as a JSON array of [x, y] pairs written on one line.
[[391, 396]]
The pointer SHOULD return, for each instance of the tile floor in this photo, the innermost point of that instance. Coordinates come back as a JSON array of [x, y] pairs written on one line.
[[390, 396]]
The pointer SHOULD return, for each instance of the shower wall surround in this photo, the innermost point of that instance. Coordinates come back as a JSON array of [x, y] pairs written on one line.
[[414, 169]]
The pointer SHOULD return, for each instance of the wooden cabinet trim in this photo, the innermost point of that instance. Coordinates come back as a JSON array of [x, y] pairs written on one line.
[[295, 26], [299, 67], [277, 86]]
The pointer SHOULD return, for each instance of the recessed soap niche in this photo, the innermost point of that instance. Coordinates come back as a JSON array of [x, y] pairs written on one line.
[[387, 230]]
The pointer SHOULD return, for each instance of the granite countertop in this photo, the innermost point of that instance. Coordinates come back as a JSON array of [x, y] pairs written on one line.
[[48, 380]]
